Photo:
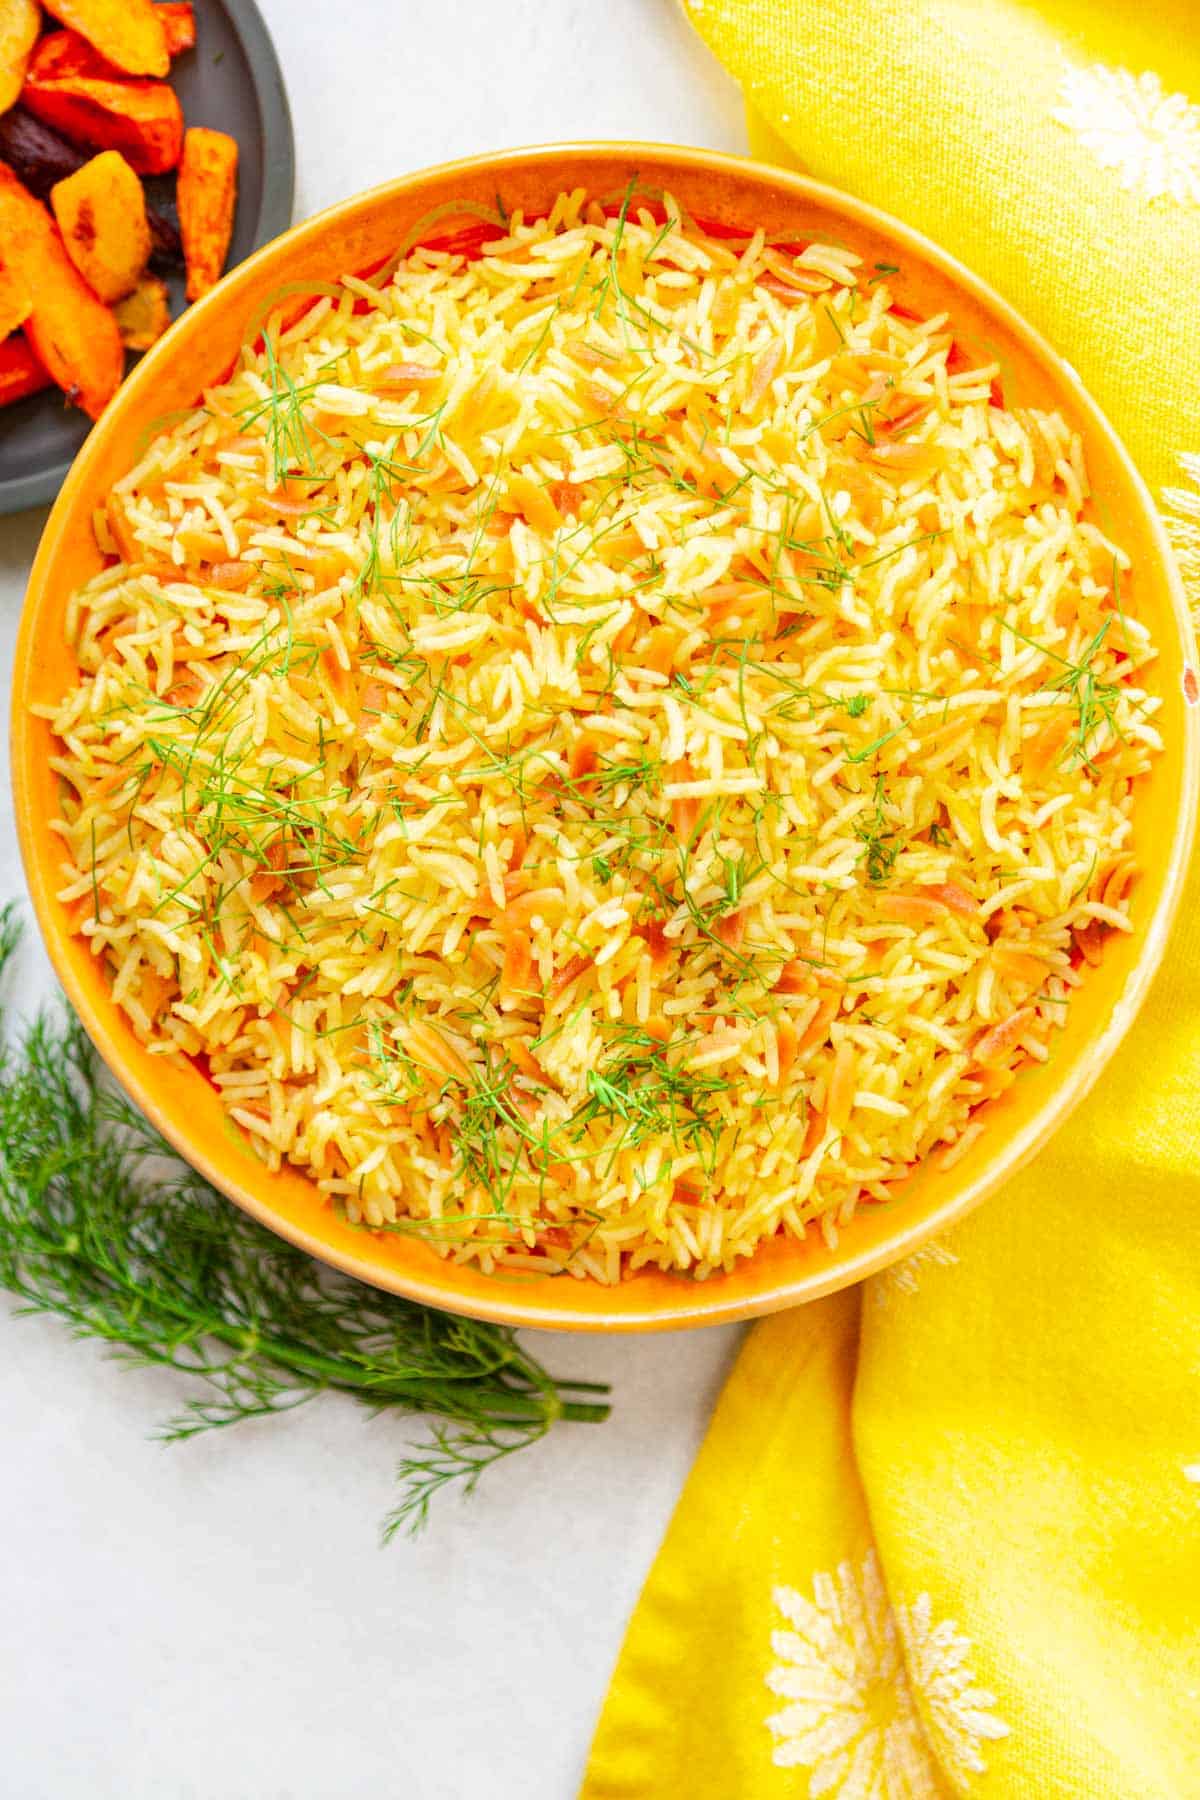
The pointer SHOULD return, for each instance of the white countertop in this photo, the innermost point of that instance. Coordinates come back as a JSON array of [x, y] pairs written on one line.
[[216, 1621]]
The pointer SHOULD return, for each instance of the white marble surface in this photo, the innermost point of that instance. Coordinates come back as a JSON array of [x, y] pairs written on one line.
[[217, 1621]]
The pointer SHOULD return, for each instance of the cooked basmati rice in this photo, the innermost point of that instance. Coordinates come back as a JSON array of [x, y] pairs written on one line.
[[605, 741]]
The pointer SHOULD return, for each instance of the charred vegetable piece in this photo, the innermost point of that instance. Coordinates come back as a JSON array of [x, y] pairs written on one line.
[[37, 156], [16, 302], [72, 332], [101, 212], [127, 33], [144, 315], [20, 22], [40, 157], [20, 371], [166, 245], [73, 90], [207, 195]]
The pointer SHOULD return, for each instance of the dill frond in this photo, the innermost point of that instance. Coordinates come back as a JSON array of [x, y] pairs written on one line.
[[103, 1227]]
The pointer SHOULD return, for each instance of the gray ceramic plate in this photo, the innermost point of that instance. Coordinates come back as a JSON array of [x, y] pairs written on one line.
[[231, 80]]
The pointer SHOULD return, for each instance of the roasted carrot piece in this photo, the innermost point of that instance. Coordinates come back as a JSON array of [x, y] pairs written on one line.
[[178, 20], [398, 378], [763, 374], [656, 941], [623, 640], [74, 91], [341, 682], [230, 574], [1039, 751], [724, 594], [534, 504], [120, 530], [111, 784], [101, 212], [71, 332], [660, 649], [818, 1124], [327, 568], [567, 496], [373, 695], [144, 315], [64, 53], [185, 692], [1091, 940], [567, 976], [907, 457], [685, 812], [999, 1041], [280, 1027], [255, 944], [953, 897], [79, 912], [426, 1045], [184, 652], [584, 758], [782, 290], [796, 977], [20, 22], [840, 1103], [1118, 880], [522, 1058], [817, 1029], [207, 196], [127, 33], [153, 992], [20, 371], [545, 903], [268, 880], [786, 1044], [1019, 966], [16, 302], [731, 929], [994, 1080], [199, 545], [605, 402], [516, 972], [925, 906], [911, 909]]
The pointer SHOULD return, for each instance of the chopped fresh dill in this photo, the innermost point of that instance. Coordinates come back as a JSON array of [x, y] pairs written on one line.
[[461, 573], [653, 1095], [880, 844], [1095, 701]]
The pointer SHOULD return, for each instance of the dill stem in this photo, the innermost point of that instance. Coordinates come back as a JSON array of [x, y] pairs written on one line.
[[287, 1353], [101, 1226]]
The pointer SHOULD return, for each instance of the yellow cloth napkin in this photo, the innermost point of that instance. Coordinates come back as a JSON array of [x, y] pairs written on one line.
[[943, 1537]]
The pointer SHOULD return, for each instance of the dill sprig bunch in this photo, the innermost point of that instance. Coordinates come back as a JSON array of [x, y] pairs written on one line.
[[101, 1225]]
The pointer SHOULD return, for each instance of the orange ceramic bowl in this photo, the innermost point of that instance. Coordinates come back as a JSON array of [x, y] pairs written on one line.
[[355, 235]]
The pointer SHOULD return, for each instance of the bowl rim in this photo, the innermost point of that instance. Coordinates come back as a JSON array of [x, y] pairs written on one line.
[[698, 1303]]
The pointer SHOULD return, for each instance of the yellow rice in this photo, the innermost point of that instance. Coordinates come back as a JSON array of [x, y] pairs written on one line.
[[608, 749]]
